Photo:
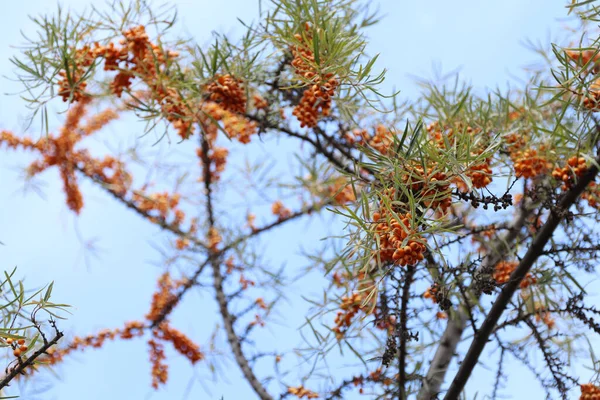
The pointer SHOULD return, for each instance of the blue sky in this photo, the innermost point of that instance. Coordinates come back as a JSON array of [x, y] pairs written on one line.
[[44, 239]]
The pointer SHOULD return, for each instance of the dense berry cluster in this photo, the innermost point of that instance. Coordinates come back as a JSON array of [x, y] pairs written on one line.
[[528, 164], [575, 168], [160, 370], [19, 347], [228, 93], [429, 185], [301, 392], [317, 97], [399, 242], [432, 292], [350, 307], [281, 211], [589, 392], [341, 192], [504, 269], [184, 345], [60, 151]]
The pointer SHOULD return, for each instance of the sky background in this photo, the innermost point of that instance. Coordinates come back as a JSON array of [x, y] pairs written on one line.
[[484, 39]]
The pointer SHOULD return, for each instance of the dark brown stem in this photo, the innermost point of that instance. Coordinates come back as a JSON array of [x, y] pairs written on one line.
[[535, 250], [404, 336], [20, 368]]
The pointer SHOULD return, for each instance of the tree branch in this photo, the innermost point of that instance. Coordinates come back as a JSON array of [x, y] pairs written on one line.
[[535, 250]]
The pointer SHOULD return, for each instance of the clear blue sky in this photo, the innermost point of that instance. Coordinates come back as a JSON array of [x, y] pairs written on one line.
[[484, 38]]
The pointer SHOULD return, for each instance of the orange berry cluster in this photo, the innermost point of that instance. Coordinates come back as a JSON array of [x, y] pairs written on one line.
[[381, 140], [480, 174], [131, 330], [136, 56], [592, 100], [350, 306], [159, 206], [59, 150], [237, 126], [259, 102], [19, 348], [214, 238], [278, 209], [529, 164], [228, 93], [504, 269], [341, 192], [213, 118], [184, 345], [589, 392], [160, 370], [164, 297], [394, 243], [576, 167], [542, 315], [591, 60], [316, 99], [430, 186], [301, 392], [431, 292], [245, 282], [584, 58]]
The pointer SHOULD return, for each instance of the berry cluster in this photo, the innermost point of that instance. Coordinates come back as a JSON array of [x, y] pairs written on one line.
[[59, 151], [317, 98], [529, 164], [228, 93], [429, 185], [396, 243], [164, 297], [160, 370], [480, 174], [381, 140], [576, 167], [504, 269], [350, 306], [131, 330], [18, 348], [541, 314], [301, 392], [159, 207], [282, 212], [589, 59], [589, 392], [432, 292], [341, 192], [184, 345]]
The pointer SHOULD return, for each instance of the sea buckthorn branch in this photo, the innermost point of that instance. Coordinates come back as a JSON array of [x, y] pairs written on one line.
[[228, 320], [305, 138], [554, 364], [23, 365], [173, 228], [451, 336], [219, 254], [532, 254]]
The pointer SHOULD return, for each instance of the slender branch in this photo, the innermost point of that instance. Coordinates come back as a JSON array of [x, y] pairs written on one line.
[[534, 251], [20, 368], [214, 259], [404, 336], [457, 324]]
